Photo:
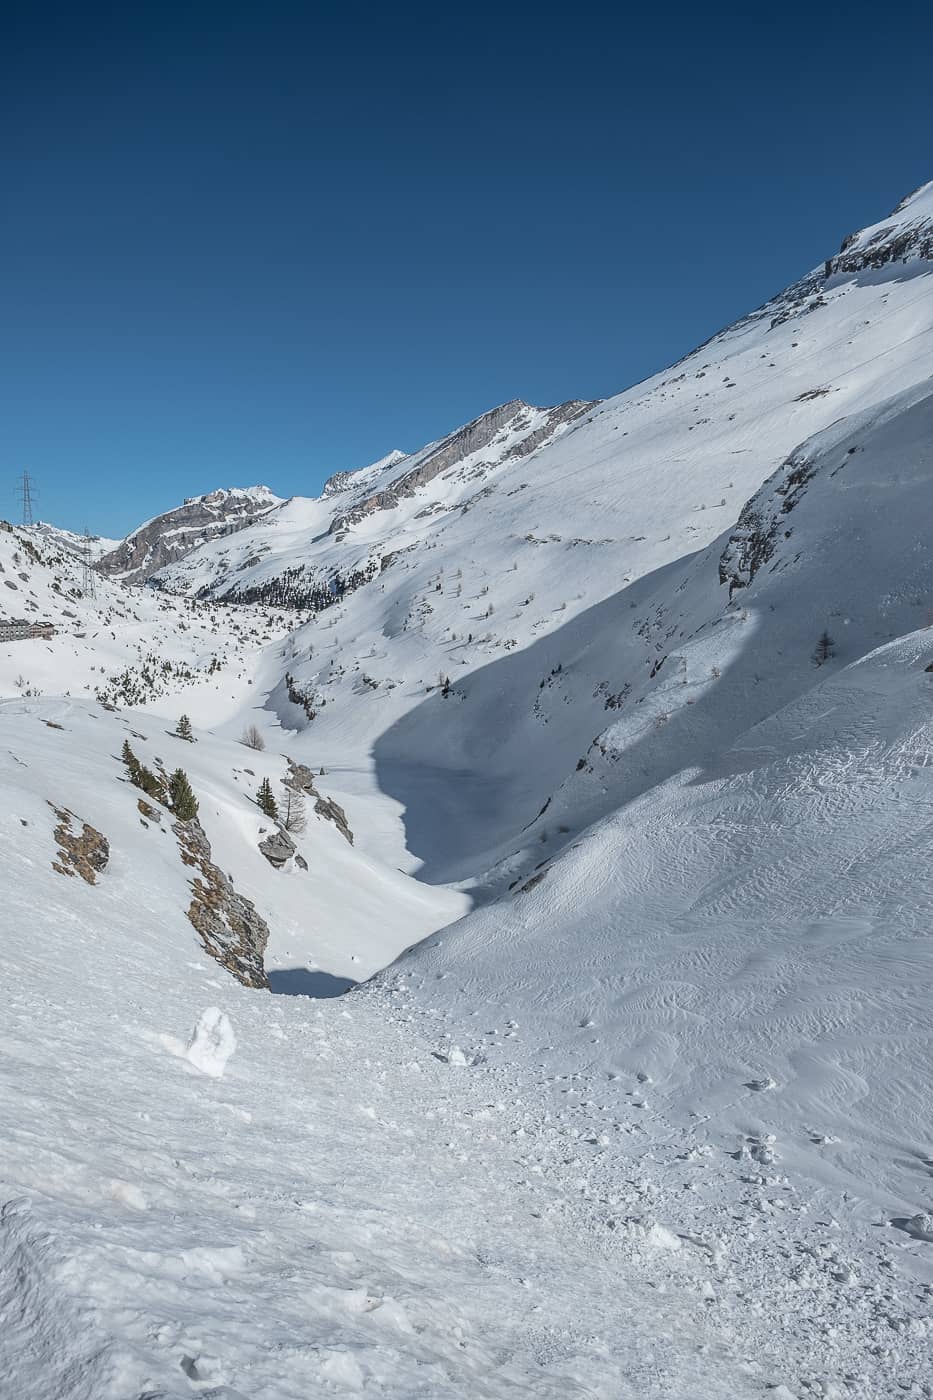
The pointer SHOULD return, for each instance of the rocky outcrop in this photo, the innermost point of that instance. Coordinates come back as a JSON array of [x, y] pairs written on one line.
[[232, 931], [513, 418], [301, 778], [176, 533], [278, 848], [894, 243], [332, 811], [763, 522], [83, 853]]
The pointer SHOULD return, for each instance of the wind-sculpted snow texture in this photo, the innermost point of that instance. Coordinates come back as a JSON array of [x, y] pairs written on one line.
[[628, 706]]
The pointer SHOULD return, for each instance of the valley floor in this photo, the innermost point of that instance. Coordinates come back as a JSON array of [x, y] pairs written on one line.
[[351, 1210]]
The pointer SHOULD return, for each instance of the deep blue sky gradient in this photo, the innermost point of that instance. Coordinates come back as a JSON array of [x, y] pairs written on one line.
[[268, 241]]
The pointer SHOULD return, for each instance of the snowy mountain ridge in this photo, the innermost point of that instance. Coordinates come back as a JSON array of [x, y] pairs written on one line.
[[92, 547], [174, 533]]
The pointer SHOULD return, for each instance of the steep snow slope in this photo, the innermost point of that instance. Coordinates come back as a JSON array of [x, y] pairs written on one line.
[[342, 914], [500, 571], [631, 487], [173, 534], [733, 937]]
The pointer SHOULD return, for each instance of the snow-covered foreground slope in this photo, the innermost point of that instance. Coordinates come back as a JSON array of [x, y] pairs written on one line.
[[746, 946], [212, 1190]]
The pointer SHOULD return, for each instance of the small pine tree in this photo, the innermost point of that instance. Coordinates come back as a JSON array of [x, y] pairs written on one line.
[[152, 784], [825, 648], [184, 729], [265, 799], [141, 776], [133, 766], [184, 802]]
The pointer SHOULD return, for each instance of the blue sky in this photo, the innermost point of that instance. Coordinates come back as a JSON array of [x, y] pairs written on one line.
[[265, 242]]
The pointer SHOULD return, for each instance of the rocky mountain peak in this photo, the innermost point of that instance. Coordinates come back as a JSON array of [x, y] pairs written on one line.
[[175, 533]]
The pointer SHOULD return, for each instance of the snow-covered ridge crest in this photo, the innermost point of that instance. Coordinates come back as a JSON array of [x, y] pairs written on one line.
[[90, 547], [347, 480], [510, 431]]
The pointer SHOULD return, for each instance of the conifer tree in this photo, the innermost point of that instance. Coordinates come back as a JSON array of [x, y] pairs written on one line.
[[265, 799], [184, 802], [825, 648], [141, 776], [184, 729], [133, 766]]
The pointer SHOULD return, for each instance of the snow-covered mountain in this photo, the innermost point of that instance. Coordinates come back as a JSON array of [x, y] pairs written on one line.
[[577, 549], [90, 547], [175, 533], [627, 707]]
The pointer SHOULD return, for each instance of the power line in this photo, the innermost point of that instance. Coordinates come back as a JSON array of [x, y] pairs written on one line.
[[27, 491], [87, 566]]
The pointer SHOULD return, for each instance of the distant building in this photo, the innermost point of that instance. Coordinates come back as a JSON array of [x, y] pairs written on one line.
[[18, 631]]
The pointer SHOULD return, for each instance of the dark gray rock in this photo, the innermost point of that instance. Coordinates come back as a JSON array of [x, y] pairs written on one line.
[[302, 779], [278, 848], [763, 522]]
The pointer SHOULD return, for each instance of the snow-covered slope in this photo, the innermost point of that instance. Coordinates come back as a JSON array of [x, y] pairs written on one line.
[[208, 1189], [746, 893], [173, 534], [641, 692], [89, 547], [627, 488], [122, 645]]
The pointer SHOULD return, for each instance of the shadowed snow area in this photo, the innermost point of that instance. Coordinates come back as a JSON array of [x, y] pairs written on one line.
[[305, 982]]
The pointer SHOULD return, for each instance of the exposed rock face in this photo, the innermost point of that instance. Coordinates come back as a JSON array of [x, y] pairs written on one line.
[[176, 533], [508, 418], [83, 853], [331, 811], [336, 483], [895, 243], [301, 778], [278, 848], [907, 235], [763, 522], [232, 931]]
